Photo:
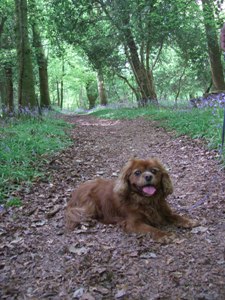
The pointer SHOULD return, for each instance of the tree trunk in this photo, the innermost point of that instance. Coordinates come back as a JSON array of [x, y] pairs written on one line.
[[213, 46], [58, 93], [42, 68], [101, 88], [3, 90], [3, 19], [62, 94], [179, 86], [91, 99], [6, 89], [62, 87], [143, 77], [92, 94], [6, 80], [9, 88], [26, 91]]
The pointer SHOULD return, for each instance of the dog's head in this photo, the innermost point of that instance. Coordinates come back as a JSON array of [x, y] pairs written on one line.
[[144, 177]]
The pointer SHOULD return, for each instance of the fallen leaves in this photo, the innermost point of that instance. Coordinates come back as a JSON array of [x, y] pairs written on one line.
[[148, 255], [79, 251], [53, 212], [199, 229], [41, 260]]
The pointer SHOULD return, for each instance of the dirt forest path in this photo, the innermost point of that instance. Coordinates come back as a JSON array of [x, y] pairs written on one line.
[[39, 260]]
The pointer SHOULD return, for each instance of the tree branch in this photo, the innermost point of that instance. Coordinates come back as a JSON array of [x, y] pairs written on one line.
[[158, 54], [2, 24], [128, 83], [179, 83]]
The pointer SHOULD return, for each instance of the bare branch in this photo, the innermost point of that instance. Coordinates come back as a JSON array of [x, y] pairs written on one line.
[[158, 54], [128, 83]]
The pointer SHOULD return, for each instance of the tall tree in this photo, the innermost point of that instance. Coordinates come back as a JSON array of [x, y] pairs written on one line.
[[8, 75], [3, 79], [40, 56], [26, 89], [62, 84], [123, 17], [101, 88], [91, 91], [129, 39], [6, 56], [213, 46], [42, 67]]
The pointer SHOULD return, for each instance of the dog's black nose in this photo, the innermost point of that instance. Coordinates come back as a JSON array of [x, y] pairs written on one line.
[[148, 178]]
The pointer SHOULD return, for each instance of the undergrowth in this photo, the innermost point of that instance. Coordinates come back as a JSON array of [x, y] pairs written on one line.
[[25, 144], [197, 123]]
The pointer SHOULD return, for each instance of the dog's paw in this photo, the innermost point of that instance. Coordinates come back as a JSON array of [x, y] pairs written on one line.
[[165, 237], [188, 223]]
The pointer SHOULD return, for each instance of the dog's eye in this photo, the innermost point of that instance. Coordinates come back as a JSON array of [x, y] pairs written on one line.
[[154, 171], [137, 173]]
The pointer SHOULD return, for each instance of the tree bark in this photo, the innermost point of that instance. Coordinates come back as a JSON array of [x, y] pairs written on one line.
[[3, 90], [179, 85], [62, 94], [144, 78], [62, 85], [92, 94], [42, 68], [142, 74], [6, 81], [3, 19], [6, 89], [58, 93], [130, 85], [213, 46], [101, 88], [26, 90], [9, 88]]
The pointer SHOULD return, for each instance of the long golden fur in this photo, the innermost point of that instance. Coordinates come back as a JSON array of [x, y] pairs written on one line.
[[136, 200]]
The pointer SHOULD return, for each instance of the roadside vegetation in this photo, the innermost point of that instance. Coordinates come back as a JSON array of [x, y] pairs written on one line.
[[205, 123], [28, 143], [25, 145]]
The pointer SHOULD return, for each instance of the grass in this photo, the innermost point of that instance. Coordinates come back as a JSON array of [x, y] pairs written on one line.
[[14, 201], [197, 123], [25, 144]]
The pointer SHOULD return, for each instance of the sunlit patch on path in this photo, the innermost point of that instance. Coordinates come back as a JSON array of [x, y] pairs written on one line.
[[98, 122]]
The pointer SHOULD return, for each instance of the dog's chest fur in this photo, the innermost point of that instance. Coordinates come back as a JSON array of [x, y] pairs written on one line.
[[147, 208]]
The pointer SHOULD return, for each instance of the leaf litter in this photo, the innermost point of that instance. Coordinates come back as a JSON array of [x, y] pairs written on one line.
[[41, 260]]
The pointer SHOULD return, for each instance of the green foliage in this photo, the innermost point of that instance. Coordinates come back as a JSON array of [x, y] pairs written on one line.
[[83, 26], [25, 145], [170, 69], [77, 73], [87, 35], [174, 27], [14, 201], [7, 35], [196, 123]]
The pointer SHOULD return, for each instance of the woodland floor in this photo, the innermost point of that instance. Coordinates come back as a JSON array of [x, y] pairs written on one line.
[[40, 260]]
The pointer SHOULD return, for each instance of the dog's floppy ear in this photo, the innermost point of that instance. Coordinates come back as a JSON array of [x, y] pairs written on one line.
[[122, 183], [167, 185]]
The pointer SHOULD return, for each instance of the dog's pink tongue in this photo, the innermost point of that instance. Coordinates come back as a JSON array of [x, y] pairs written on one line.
[[149, 190]]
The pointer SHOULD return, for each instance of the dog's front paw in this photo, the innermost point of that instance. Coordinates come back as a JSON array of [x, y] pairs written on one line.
[[189, 223], [164, 237]]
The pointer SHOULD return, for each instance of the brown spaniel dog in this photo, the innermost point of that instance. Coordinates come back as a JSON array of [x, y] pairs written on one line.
[[136, 200]]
